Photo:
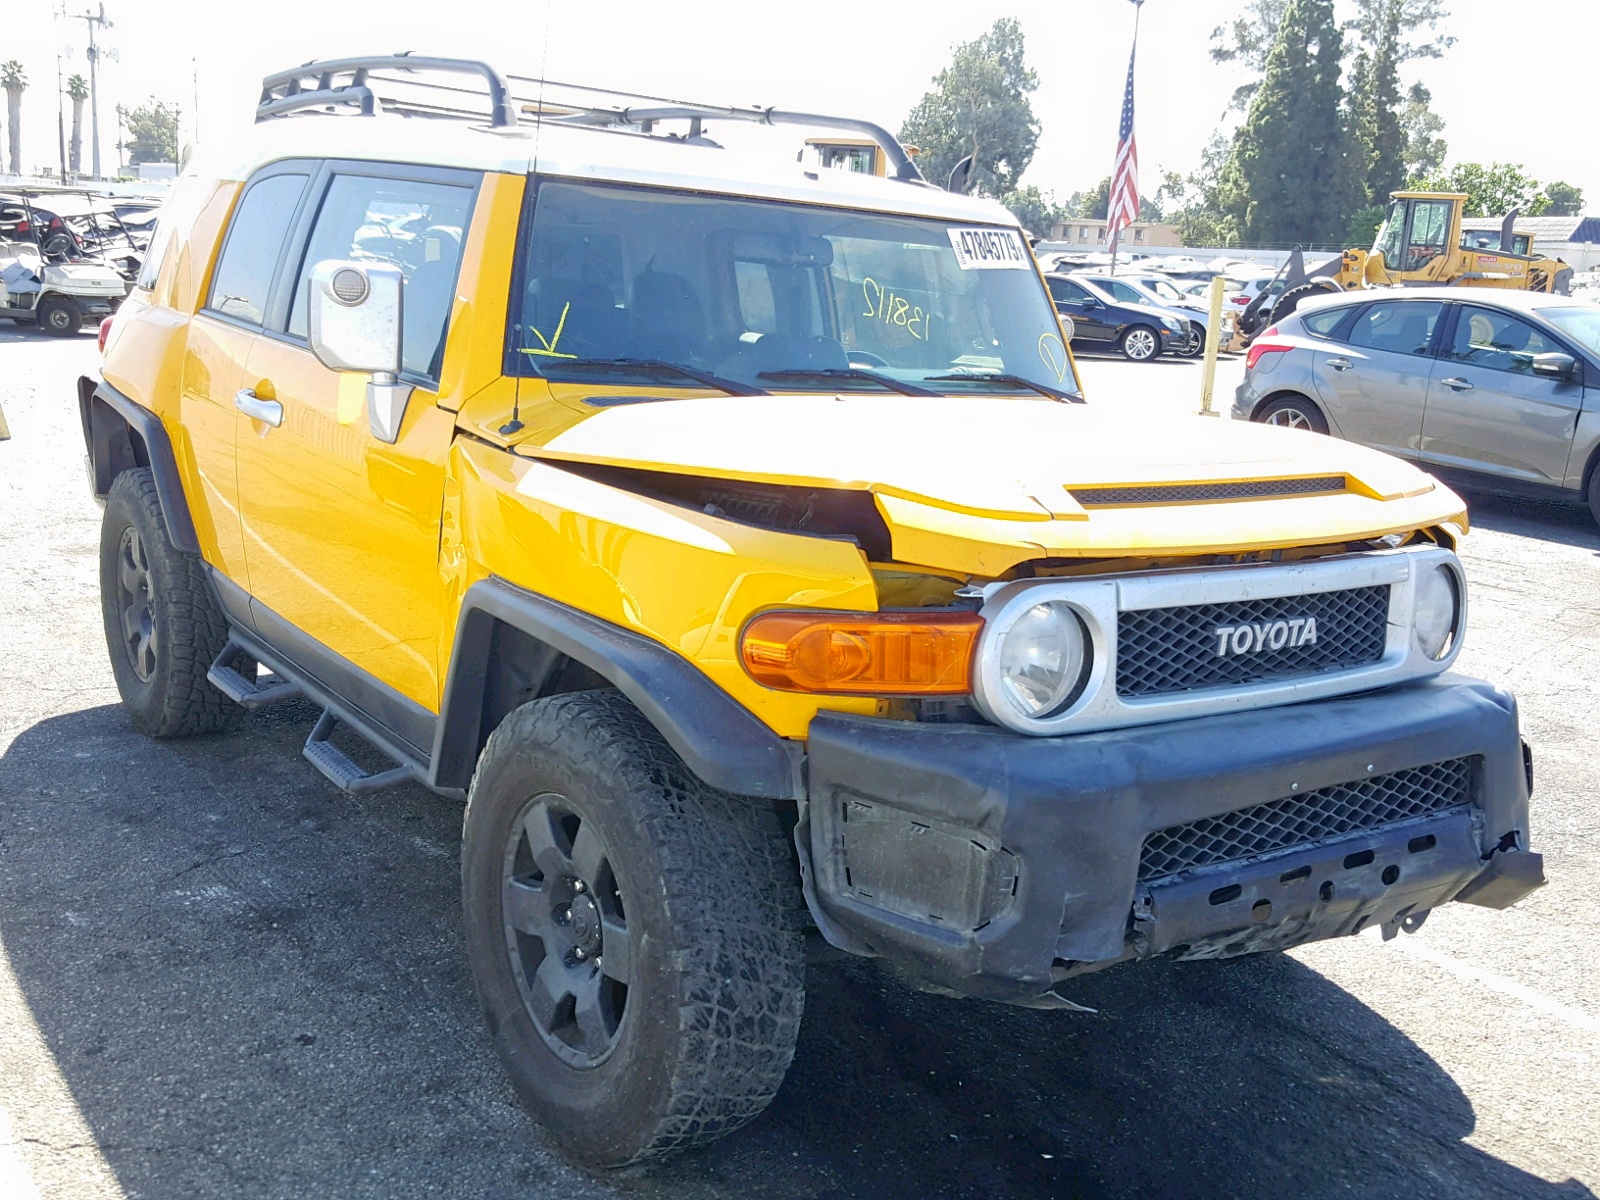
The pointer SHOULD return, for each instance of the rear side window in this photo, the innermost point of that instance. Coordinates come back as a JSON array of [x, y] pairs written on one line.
[[1396, 326], [255, 241], [411, 224], [1324, 321]]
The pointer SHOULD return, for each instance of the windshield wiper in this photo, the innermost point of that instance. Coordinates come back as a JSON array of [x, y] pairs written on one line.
[[554, 369], [893, 385], [1043, 389]]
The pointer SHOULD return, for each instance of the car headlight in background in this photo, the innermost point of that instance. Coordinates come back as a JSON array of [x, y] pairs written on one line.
[[1436, 610]]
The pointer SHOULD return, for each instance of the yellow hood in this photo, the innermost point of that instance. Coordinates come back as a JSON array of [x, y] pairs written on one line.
[[979, 484]]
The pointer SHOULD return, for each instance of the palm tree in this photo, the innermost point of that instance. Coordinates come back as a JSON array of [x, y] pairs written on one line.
[[77, 92], [14, 82]]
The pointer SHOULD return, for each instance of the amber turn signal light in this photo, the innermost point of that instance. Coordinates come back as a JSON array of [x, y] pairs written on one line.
[[873, 654]]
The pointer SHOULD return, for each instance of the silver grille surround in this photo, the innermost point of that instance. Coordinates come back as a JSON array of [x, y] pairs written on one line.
[[1099, 600]]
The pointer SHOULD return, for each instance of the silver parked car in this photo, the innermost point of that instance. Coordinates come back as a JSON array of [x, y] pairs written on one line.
[[1498, 390]]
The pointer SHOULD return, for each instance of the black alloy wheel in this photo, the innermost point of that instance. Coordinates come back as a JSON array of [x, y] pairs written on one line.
[[135, 610], [635, 936], [163, 625], [566, 930]]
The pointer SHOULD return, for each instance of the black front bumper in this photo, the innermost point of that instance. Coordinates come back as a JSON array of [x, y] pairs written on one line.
[[990, 864]]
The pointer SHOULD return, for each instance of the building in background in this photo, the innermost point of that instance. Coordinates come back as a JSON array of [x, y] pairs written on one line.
[[1092, 234]]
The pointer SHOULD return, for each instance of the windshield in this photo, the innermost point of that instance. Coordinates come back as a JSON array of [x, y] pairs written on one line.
[[1582, 325], [777, 295]]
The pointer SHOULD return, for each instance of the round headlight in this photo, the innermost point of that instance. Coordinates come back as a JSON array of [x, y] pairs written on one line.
[[1437, 611], [1043, 659]]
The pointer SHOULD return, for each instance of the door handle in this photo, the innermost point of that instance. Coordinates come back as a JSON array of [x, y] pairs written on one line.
[[1458, 383], [1340, 364], [252, 405]]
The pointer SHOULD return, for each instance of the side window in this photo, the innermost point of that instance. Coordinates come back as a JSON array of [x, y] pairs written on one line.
[[255, 240], [1430, 225], [1497, 341], [1121, 292], [1397, 326], [1065, 292], [1325, 321], [411, 224]]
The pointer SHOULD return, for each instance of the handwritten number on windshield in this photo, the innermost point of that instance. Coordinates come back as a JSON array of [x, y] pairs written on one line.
[[885, 305]]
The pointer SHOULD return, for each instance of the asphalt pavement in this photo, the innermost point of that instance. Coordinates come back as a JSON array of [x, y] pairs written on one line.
[[220, 977]]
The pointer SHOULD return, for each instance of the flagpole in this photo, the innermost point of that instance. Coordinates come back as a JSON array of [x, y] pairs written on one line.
[[1116, 232]]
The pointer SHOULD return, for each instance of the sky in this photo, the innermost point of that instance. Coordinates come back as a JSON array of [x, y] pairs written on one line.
[[852, 58]]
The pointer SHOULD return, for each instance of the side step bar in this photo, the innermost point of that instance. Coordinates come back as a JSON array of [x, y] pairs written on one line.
[[340, 769], [344, 772], [226, 677]]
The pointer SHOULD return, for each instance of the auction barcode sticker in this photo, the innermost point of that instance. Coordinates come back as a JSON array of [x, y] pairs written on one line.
[[990, 250]]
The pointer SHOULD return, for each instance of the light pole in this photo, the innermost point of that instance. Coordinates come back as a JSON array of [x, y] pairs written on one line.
[[90, 20]]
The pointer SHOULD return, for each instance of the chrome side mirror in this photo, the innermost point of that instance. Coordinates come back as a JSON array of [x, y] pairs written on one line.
[[354, 324], [1554, 365]]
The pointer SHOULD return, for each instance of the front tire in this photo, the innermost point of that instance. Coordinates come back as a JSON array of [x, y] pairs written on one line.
[[60, 316], [635, 936], [163, 626], [1293, 412], [1594, 494], [1140, 344]]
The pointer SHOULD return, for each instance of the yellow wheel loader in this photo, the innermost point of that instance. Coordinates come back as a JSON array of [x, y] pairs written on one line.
[[1421, 241]]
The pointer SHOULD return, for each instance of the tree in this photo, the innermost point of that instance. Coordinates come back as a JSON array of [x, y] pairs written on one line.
[[1034, 210], [1411, 17], [77, 92], [1286, 180], [1492, 191], [1425, 149], [979, 106], [1376, 141], [1094, 204], [152, 132], [15, 83], [1248, 38], [1565, 200]]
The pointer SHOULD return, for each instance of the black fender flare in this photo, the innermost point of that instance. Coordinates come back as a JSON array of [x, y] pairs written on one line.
[[719, 739], [118, 435]]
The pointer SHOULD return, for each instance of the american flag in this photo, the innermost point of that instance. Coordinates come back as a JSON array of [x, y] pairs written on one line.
[[1124, 206]]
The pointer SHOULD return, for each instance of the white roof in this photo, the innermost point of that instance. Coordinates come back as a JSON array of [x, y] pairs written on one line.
[[586, 153]]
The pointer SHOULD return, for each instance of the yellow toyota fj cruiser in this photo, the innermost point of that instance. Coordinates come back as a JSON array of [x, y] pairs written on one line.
[[733, 537]]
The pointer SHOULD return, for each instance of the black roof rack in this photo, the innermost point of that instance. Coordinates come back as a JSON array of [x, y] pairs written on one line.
[[351, 83]]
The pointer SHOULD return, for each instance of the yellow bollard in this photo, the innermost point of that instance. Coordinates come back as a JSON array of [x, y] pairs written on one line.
[[1208, 377], [5, 432]]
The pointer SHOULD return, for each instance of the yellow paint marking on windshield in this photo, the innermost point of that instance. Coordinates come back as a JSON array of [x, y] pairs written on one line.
[[550, 344], [884, 305], [1049, 343]]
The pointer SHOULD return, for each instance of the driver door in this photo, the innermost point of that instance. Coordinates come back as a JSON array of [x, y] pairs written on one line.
[[341, 529]]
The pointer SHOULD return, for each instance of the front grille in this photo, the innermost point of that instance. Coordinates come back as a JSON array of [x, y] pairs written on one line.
[[1176, 493], [1162, 650], [1300, 820]]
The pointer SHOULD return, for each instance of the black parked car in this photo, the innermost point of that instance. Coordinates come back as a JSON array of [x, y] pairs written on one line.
[[1138, 331]]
